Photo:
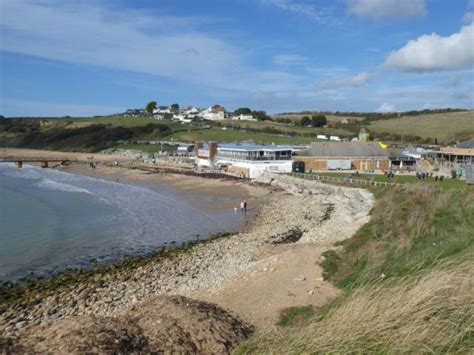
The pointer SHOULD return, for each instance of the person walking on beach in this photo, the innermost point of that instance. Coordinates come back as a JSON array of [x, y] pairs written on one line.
[[245, 206], [242, 206]]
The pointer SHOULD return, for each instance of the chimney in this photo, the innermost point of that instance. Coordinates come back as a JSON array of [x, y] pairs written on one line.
[[212, 150], [198, 146]]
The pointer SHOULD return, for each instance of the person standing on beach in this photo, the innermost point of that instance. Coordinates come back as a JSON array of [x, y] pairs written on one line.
[[245, 206], [242, 206]]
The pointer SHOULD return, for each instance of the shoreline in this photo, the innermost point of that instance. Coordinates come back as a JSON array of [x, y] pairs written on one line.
[[211, 270], [204, 195]]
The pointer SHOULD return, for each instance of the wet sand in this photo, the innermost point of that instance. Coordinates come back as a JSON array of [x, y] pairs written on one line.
[[203, 193]]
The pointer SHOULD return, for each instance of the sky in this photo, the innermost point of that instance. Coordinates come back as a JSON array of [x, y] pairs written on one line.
[[96, 57]]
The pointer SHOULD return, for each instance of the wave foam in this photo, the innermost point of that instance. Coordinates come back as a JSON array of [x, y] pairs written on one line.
[[59, 186]]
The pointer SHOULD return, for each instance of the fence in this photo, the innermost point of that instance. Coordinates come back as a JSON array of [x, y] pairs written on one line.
[[344, 180]]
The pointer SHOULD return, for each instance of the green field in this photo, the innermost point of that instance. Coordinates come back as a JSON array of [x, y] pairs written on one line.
[[299, 130], [118, 121], [230, 135], [446, 127], [298, 116]]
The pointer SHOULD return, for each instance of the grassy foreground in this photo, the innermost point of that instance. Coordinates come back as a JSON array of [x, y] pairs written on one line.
[[407, 281]]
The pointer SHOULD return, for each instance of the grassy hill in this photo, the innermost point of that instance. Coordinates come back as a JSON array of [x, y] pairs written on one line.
[[231, 135], [406, 281], [82, 133], [331, 118], [90, 134], [446, 127]]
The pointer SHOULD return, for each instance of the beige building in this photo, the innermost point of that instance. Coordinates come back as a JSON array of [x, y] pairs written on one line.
[[362, 156]]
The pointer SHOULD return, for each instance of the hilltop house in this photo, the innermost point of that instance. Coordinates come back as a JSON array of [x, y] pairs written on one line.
[[214, 113], [243, 117], [163, 110], [190, 110], [133, 112]]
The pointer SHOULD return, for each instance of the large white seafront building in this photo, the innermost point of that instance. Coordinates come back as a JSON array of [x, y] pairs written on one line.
[[246, 159]]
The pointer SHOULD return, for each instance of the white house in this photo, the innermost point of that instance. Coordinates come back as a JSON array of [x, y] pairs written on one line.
[[182, 118], [322, 136], [162, 109], [334, 138], [243, 117], [214, 113], [190, 111]]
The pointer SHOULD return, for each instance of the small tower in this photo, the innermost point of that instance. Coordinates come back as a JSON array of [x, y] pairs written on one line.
[[363, 135]]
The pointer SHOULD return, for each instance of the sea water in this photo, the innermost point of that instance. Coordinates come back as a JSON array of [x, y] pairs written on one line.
[[52, 220]]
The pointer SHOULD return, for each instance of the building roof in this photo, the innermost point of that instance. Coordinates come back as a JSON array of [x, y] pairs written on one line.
[[217, 108], [249, 147], [469, 144], [344, 149]]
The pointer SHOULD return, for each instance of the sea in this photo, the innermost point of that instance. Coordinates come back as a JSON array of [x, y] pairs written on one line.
[[52, 220]]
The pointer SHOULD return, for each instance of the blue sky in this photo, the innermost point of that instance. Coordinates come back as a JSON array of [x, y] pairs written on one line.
[[103, 56]]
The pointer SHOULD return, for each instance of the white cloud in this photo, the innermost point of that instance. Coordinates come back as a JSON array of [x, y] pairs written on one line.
[[290, 59], [433, 52], [349, 81], [468, 17], [94, 33], [318, 13], [386, 107], [378, 9]]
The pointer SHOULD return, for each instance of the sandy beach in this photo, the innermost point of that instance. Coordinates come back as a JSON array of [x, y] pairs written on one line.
[[217, 193], [270, 265]]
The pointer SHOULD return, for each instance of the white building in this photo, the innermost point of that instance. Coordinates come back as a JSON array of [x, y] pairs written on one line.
[[243, 117], [322, 136], [334, 138], [190, 111], [251, 160], [162, 110], [182, 118], [214, 113]]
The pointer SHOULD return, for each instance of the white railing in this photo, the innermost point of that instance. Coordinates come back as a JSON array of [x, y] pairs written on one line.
[[344, 180]]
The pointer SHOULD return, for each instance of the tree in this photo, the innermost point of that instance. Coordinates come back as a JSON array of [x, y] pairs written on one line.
[[305, 121], [150, 107], [261, 116], [174, 107], [319, 120], [242, 111]]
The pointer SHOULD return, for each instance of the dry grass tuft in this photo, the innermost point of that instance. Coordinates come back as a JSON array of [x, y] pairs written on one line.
[[431, 313], [408, 277]]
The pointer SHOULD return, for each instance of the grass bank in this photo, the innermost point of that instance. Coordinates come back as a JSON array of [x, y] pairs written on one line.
[[406, 278], [403, 179]]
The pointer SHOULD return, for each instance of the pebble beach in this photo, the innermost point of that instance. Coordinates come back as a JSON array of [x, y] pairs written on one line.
[[320, 215]]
